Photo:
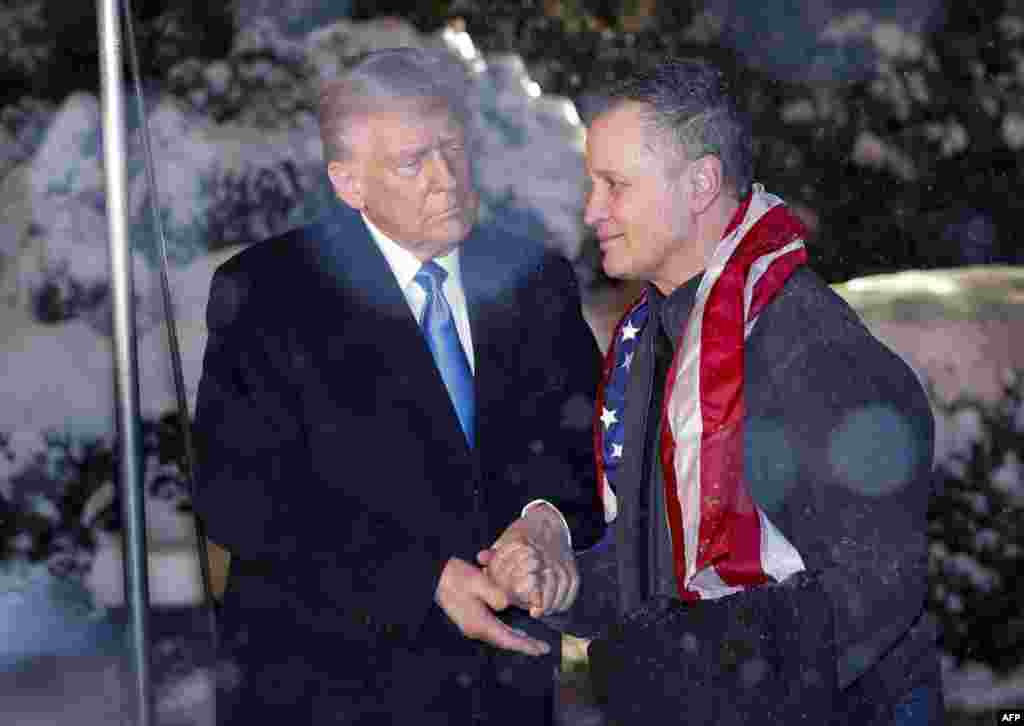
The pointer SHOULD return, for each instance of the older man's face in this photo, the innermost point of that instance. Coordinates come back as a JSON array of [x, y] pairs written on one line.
[[410, 174]]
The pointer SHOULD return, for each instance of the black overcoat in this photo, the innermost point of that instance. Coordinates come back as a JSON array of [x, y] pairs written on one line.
[[333, 469]]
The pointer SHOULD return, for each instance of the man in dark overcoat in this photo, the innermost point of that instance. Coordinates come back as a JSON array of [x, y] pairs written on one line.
[[393, 428]]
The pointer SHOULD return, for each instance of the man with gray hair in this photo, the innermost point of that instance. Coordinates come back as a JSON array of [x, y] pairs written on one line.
[[766, 461], [394, 434]]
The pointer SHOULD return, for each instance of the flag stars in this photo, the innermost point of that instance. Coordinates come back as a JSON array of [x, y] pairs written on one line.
[[628, 331], [616, 451], [627, 361], [608, 418]]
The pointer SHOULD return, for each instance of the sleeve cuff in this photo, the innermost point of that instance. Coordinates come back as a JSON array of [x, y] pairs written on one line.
[[535, 502]]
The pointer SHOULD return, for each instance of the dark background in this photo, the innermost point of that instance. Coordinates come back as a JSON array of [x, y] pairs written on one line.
[[945, 194]]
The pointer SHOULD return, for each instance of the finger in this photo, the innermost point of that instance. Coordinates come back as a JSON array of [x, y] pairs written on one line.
[[513, 569], [528, 588], [514, 558], [530, 564], [485, 557], [537, 596], [502, 573], [549, 589], [495, 597], [502, 636], [564, 586], [574, 590], [551, 593]]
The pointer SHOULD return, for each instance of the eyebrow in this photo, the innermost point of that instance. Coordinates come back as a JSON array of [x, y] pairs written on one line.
[[446, 137]]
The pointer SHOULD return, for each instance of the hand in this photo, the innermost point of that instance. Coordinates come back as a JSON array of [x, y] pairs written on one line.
[[469, 598], [533, 563], [517, 568]]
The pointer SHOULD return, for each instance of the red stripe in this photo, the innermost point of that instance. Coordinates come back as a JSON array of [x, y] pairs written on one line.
[[668, 445], [668, 468], [773, 279], [722, 408], [729, 535]]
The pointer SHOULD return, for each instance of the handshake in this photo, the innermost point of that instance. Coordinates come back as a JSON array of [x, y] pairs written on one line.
[[530, 566]]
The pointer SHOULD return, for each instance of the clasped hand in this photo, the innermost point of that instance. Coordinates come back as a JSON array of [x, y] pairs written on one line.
[[533, 563], [530, 565]]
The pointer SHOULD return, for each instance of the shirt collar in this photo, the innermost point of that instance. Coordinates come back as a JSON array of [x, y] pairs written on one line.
[[404, 264]]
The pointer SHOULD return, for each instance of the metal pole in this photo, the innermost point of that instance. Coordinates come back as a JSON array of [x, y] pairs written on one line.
[[126, 364]]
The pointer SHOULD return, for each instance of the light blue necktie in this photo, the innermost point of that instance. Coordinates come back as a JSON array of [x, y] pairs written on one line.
[[443, 339]]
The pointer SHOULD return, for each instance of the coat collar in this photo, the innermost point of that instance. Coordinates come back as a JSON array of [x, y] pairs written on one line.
[[374, 318]]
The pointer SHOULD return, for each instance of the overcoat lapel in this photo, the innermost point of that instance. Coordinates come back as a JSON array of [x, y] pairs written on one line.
[[376, 331], [494, 323]]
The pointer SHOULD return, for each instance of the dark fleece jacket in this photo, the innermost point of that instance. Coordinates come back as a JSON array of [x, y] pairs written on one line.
[[839, 445]]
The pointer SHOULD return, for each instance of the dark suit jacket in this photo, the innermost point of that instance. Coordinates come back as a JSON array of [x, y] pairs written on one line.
[[333, 468]]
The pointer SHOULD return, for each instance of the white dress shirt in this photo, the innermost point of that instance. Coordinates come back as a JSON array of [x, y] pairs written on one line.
[[404, 265]]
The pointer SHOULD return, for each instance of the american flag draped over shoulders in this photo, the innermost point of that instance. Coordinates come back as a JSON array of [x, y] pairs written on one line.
[[721, 540]]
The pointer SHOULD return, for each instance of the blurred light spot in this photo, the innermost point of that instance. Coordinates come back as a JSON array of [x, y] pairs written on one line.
[[689, 643], [771, 463], [858, 658], [801, 110], [753, 671], [1013, 130], [577, 412], [532, 88], [873, 451], [460, 42]]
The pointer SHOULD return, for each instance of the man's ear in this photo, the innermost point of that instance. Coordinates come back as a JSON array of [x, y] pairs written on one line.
[[706, 178], [347, 183]]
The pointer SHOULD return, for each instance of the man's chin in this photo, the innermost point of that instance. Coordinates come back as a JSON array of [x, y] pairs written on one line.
[[613, 270], [456, 226], [448, 234]]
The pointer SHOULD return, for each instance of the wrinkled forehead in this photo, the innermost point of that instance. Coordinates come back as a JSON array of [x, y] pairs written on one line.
[[384, 120], [619, 133]]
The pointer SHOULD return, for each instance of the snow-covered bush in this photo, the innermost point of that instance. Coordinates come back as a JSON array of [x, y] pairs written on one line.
[[22, 126], [263, 81], [976, 527], [58, 493]]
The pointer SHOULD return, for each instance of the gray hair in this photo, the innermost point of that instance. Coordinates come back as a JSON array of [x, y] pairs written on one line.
[[691, 109], [383, 76]]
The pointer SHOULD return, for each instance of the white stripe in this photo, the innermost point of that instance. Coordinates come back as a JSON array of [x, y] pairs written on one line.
[[684, 413], [760, 267], [609, 500], [709, 586], [757, 270], [686, 422], [779, 558], [687, 426]]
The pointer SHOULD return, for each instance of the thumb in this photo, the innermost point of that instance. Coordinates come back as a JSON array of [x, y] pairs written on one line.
[[484, 557], [494, 596]]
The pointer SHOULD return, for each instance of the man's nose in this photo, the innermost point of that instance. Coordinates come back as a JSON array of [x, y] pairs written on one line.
[[593, 210], [442, 172]]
